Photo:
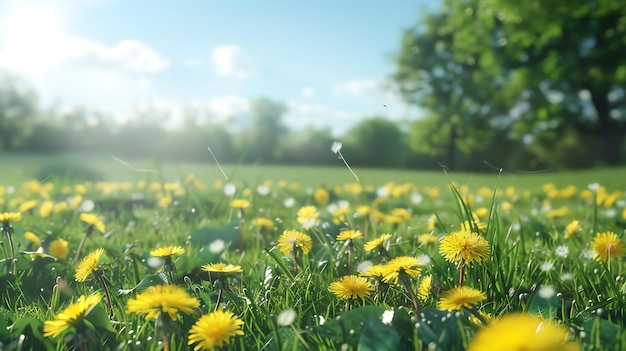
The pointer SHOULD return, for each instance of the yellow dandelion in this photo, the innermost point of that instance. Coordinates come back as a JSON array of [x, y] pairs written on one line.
[[58, 248], [402, 213], [401, 265], [607, 246], [375, 271], [321, 196], [293, 239], [88, 265], [10, 217], [161, 299], [464, 246], [32, 238], [214, 330], [240, 203], [349, 235], [572, 228], [167, 251], [426, 239], [46, 208], [93, 220], [263, 222], [351, 287], [72, 316], [459, 297], [222, 268], [28, 205], [378, 242], [308, 216], [423, 290], [521, 331]]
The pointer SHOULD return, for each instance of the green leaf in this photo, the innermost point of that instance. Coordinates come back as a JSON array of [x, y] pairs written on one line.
[[546, 308], [100, 319], [157, 279], [441, 328], [229, 233], [376, 336], [601, 333], [287, 338], [338, 329]]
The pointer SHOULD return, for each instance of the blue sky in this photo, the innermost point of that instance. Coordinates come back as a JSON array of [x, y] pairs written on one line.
[[326, 60]]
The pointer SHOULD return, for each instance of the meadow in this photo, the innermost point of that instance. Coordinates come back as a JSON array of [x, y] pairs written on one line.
[[162, 256]]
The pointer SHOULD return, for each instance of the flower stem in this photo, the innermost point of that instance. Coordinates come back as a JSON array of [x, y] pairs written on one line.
[[462, 276], [86, 234], [407, 286], [219, 298], [106, 290], [295, 259]]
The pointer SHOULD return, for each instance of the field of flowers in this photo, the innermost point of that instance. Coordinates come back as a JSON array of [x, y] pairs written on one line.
[[277, 265]]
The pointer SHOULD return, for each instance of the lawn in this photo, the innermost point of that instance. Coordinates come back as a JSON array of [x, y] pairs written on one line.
[[164, 256]]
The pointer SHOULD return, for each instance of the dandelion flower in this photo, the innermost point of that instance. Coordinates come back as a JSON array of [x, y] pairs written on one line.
[[28, 205], [32, 238], [404, 264], [262, 222], [606, 246], [571, 229], [58, 248], [521, 331], [378, 242], [425, 239], [349, 235], [423, 290], [93, 220], [9, 217], [167, 251], [321, 196], [72, 316], [293, 239], [215, 330], [351, 287], [375, 271], [464, 246], [88, 265], [308, 216], [459, 297], [159, 299], [240, 203], [222, 268]]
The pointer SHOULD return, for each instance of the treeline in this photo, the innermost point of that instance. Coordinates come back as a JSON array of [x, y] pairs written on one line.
[[374, 142]]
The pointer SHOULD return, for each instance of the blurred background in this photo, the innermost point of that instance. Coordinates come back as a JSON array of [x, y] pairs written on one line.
[[467, 85]]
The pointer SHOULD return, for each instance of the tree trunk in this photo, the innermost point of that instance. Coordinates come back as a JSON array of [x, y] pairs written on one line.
[[609, 133], [451, 147]]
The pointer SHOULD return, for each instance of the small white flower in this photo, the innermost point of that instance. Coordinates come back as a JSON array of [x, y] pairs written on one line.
[[387, 317], [382, 192], [217, 246], [289, 202], [546, 266], [364, 266], [320, 320], [230, 189], [562, 250], [567, 276], [262, 190], [546, 291], [424, 259], [416, 198], [86, 206], [343, 204], [593, 186], [589, 254], [286, 317], [336, 147]]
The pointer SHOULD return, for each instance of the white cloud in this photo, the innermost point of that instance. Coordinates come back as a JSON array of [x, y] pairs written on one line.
[[307, 92], [72, 69], [230, 62], [372, 90], [300, 115]]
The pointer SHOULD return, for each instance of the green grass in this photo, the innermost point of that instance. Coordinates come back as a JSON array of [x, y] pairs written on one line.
[[525, 269], [18, 167]]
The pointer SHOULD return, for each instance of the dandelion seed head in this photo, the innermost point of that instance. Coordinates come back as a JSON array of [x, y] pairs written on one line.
[[289, 202], [567, 276], [424, 259], [562, 250], [546, 291], [286, 317], [155, 262], [387, 317], [364, 266], [546, 266], [262, 190], [336, 147], [230, 189], [217, 246]]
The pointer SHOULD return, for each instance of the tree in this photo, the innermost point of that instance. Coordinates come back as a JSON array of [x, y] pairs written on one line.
[[452, 91], [376, 142], [561, 61], [18, 107], [261, 140]]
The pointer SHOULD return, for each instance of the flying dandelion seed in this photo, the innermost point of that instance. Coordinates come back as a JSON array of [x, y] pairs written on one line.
[[286, 317]]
